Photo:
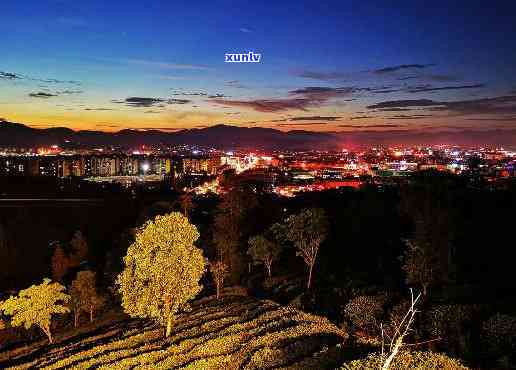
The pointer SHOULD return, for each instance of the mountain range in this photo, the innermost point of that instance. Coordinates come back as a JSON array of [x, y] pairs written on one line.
[[233, 137]]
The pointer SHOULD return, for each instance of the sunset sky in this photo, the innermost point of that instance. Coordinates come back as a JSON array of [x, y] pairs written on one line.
[[325, 66]]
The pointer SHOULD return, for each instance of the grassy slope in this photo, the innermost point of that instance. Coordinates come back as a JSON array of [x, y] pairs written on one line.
[[233, 332]]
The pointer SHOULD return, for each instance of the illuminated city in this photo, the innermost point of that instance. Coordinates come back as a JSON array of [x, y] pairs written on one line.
[[257, 185], [285, 173]]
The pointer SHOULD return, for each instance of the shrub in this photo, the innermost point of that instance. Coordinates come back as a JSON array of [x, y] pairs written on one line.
[[407, 360], [499, 334], [449, 323], [364, 312]]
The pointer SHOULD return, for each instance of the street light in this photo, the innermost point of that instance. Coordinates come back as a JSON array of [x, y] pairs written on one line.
[[145, 168]]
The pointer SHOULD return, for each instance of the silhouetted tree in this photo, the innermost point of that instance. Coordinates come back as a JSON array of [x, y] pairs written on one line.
[[60, 263], [79, 249], [431, 202], [263, 250], [218, 271], [233, 225], [306, 231], [420, 265], [186, 204], [422, 261]]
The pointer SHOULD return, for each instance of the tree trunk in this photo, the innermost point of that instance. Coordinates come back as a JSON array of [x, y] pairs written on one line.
[[169, 326], [393, 353], [310, 268], [76, 318], [269, 267], [92, 308], [48, 333], [218, 289]]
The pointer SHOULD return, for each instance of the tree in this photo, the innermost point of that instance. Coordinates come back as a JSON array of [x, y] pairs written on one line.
[[431, 202], [307, 230], [187, 205], [84, 295], [419, 262], [162, 269], [79, 248], [218, 271], [97, 301], [263, 250], [400, 332], [235, 220], [75, 304], [60, 263], [226, 235], [36, 306]]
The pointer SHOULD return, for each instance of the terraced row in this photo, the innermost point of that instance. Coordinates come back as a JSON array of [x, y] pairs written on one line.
[[233, 332]]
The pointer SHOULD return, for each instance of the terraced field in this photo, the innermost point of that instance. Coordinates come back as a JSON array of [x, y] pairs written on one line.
[[234, 332]]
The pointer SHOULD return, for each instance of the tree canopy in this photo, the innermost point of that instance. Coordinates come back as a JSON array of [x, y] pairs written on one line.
[[84, 295], [263, 250], [36, 305], [307, 230], [162, 269]]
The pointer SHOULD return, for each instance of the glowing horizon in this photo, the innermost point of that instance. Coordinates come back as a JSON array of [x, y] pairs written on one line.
[[333, 67]]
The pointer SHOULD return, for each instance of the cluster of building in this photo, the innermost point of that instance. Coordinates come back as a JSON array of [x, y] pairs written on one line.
[[285, 173], [84, 166]]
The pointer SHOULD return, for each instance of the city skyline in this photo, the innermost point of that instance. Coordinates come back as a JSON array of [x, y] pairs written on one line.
[[324, 67]]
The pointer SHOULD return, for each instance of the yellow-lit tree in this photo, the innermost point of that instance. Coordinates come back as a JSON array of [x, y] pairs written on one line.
[[85, 297], [162, 269], [219, 271], [36, 306]]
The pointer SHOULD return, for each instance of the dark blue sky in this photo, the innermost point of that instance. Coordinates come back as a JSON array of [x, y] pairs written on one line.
[[444, 64]]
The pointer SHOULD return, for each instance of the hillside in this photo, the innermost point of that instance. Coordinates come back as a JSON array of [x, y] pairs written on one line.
[[234, 137], [233, 332], [221, 136]]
